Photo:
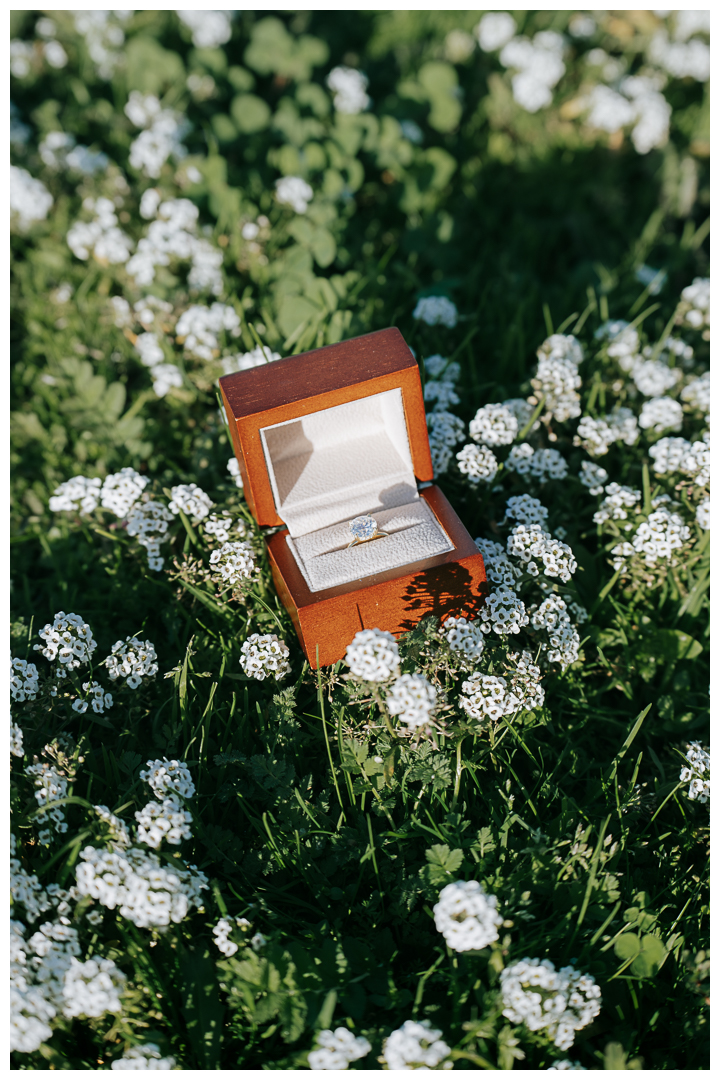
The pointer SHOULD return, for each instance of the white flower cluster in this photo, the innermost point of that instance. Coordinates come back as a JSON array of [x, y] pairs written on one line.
[[436, 311], [477, 463], [93, 988], [697, 394], [220, 526], [80, 494], [681, 58], [233, 562], [697, 772], [563, 641], [537, 65], [499, 569], [557, 376], [702, 515], [441, 394], [566, 1064], [672, 455], [144, 1056], [163, 821], [101, 237], [68, 640], [210, 29], [30, 200], [412, 699], [464, 638], [695, 305], [596, 436], [148, 521], [233, 467], [614, 506], [542, 465], [169, 778], [440, 368], [493, 425], [25, 889], [16, 740], [526, 684], [294, 192], [530, 542], [120, 491], [661, 414], [160, 139], [135, 882], [662, 533], [467, 916], [116, 825], [164, 375], [445, 430], [265, 656], [336, 1049], [488, 696], [96, 696], [103, 38], [131, 660], [560, 1002], [172, 235], [653, 378], [50, 785], [416, 1045], [222, 931], [198, 328], [349, 89], [58, 150], [638, 101], [192, 500], [526, 510], [503, 611], [24, 684], [373, 656], [593, 476]]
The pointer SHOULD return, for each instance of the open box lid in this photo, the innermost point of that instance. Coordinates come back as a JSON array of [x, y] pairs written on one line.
[[287, 468]]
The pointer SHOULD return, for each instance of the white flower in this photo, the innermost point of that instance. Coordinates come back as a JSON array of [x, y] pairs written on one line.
[[415, 1045], [597, 435], [525, 681], [467, 916], [16, 740], [103, 38], [349, 89], [132, 660], [165, 377], [441, 393], [169, 778], [412, 699], [522, 410], [678, 455], [336, 1049], [566, 1064], [294, 192], [582, 26], [526, 510], [145, 1056], [487, 696], [199, 328], [695, 304], [439, 367], [538, 65], [30, 200], [445, 430], [557, 376], [79, 494], [222, 931], [436, 311], [499, 569], [192, 500], [653, 377], [618, 499], [560, 1002], [661, 414], [172, 236], [245, 361], [219, 526], [93, 988], [68, 640], [24, 684], [493, 425], [99, 699], [100, 237], [697, 772], [662, 533], [593, 476], [142, 889], [148, 521], [50, 785], [233, 467], [373, 655], [680, 59], [477, 463], [116, 825], [544, 464], [530, 543], [702, 515], [210, 29], [163, 821], [697, 393], [265, 656], [120, 491], [258, 942], [503, 611], [233, 562], [495, 30], [161, 138], [464, 638]]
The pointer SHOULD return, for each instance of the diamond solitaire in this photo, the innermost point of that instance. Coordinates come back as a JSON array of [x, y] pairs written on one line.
[[364, 528]]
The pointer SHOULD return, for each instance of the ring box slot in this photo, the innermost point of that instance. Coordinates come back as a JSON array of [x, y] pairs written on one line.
[[328, 435]]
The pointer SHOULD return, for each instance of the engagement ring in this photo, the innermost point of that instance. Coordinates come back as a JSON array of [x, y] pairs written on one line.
[[364, 528]]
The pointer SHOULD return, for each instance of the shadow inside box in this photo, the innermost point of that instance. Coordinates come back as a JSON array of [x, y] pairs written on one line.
[[443, 591]]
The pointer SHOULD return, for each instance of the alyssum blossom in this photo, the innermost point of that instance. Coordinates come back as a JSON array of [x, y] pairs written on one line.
[[493, 425], [477, 463], [68, 640], [697, 772], [415, 1045], [169, 777], [336, 1049], [373, 656], [132, 660], [542, 465], [467, 916], [233, 563], [265, 656], [192, 500], [436, 311], [167, 820], [412, 699], [465, 639], [561, 1002]]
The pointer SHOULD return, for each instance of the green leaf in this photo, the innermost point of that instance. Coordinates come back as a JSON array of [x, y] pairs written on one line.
[[672, 645], [201, 1005], [627, 946], [651, 958], [250, 113], [443, 863], [150, 68]]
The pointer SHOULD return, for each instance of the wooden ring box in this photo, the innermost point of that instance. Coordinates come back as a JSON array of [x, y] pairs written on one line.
[[327, 435]]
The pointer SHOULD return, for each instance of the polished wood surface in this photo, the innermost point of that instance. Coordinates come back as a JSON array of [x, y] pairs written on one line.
[[453, 583], [298, 385]]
